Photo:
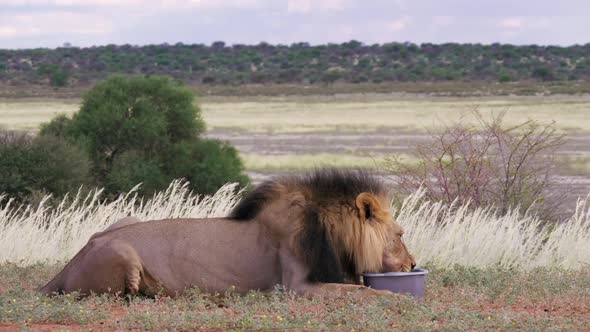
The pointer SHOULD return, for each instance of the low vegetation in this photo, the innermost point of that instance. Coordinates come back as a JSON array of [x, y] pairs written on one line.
[[352, 113], [439, 235], [128, 130], [486, 272], [38, 234], [457, 298], [31, 167], [489, 269], [444, 235], [446, 88], [487, 164], [350, 62]]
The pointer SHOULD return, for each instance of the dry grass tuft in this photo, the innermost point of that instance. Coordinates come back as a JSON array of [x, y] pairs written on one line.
[[439, 235], [446, 235], [30, 235]]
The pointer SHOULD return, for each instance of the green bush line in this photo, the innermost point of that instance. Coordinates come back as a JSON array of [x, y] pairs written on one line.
[[351, 62]]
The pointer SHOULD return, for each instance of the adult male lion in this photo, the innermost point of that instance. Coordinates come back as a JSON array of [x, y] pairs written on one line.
[[315, 234]]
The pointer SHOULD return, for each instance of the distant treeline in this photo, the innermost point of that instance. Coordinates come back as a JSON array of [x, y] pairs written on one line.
[[351, 62]]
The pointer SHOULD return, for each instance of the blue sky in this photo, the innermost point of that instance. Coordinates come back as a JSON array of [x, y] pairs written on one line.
[[51, 23]]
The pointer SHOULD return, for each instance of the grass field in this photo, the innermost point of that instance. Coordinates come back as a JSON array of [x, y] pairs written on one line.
[[262, 162], [486, 273], [356, 113], [441, 88], [438, 235], [370, 113], [456, 299], [355, 130]]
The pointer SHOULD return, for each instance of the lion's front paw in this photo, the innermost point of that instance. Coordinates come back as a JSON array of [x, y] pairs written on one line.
[[374, 292]]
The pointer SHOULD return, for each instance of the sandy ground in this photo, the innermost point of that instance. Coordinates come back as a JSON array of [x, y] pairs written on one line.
[[384, 141]]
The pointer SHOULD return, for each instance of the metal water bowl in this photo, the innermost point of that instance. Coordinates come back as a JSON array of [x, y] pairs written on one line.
[[398, 282]]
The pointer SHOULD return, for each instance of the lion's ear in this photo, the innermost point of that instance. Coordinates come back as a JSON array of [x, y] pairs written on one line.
[[367, 205]]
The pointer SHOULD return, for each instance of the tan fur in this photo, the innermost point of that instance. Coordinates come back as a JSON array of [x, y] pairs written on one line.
[[118, 224], [169, 256], [123, 222]]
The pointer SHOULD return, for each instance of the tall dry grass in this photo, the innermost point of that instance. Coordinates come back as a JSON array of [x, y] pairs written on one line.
[[444, 235], [438, 234], [30, 235]]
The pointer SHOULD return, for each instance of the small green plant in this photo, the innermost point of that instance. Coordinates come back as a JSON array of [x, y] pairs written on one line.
[[505, 77], [58, 76]]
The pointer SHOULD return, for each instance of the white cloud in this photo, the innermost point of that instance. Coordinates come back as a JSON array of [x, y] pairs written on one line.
[[211, 3], [306, 6], [32, 23], [145, 3], [332, 4], [298, 6], [400, 24], [512, 23], [104, 18], [57, 22], [346, 32], [71, 2], [8, 31]]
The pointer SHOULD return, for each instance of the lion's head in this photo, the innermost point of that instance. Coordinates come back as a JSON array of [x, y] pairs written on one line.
[[339, 221]]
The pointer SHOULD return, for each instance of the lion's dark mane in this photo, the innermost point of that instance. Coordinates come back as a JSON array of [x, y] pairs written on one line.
[[325, 187]]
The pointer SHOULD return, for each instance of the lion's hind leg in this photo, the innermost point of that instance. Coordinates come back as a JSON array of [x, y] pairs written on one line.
[[137, 279], [133, 273], [105, 267]]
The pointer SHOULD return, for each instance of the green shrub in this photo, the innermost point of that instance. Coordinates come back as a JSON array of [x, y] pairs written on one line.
[[543, 73], [206, 164], [146, 114], [146, 130], [15, 160], [45, 164], [504, 78], [57, 127], [58, 77], [58, 166], [130, 169]]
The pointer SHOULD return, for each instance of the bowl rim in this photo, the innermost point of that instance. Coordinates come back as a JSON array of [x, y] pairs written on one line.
[[414, 272]]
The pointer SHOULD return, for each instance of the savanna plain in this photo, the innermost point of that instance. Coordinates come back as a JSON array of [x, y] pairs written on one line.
[[486, 272]]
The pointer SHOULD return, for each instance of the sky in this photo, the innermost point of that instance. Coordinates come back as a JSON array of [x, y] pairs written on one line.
[[51, 23]]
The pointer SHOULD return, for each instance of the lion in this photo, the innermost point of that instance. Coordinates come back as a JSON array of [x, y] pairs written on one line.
[[314, 233]]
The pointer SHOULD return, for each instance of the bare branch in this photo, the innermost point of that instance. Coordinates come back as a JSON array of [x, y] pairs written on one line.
[[486, 164]]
